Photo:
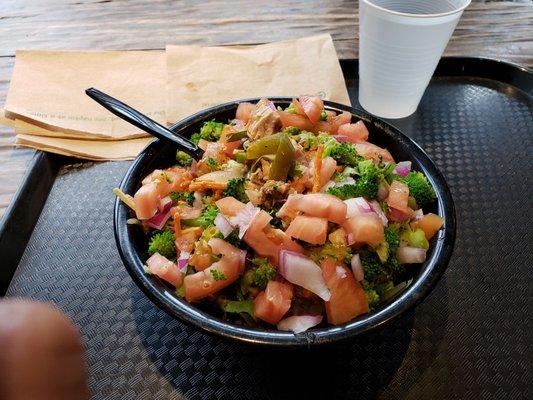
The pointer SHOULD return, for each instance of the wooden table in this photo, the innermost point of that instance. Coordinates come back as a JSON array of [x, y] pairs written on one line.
[[497, 29]]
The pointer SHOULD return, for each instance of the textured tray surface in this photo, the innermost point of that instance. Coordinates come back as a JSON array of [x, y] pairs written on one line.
[[471, 338]]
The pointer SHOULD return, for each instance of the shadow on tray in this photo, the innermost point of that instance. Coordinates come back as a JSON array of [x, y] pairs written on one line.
[[203, 366]]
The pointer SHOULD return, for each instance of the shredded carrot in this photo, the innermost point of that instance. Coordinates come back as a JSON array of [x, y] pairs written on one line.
[[217, 195], [177, 223], [318, 167], [203, 185]]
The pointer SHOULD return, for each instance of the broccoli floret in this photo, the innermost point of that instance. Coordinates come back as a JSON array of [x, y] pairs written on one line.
[[233, 238], [384, 207], [163, 243], [212, 164], [395, 267], [206, 219], [235, 189], [184, 196], [237, 307], [372, 297], [323, 115], [392, 237], [292, 131], [419, 188], [183, 158], [374, 270], [217, 275], [365, 186], [195, 138], [291, 109], [343, 153], [211, 130], [263, 272], [329, 250]]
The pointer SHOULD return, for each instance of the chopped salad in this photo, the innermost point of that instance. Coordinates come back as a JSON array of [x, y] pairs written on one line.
[[292, 218]]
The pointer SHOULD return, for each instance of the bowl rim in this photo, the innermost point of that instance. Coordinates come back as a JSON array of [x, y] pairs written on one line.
[[178, 308]]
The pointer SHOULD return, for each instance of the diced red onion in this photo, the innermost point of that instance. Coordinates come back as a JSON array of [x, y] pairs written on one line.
[[340, 138], [410, 255], [383, 192], [159, 220], [244, 218], [299, 323], [271, 105], [403, 168], [302, 271], [223, 225], [357, 206], [357, 268], [238, 124], [377, 209], [183, 261], [346, 181], [341, 272], [164, 203], [417, 215]]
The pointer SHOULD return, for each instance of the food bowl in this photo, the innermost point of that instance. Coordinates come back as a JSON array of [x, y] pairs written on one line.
[[131, 241]]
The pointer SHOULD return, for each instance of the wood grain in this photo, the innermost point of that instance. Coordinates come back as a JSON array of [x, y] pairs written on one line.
[[496, 29]]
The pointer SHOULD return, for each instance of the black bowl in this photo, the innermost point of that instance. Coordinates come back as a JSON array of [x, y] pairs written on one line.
[[132, 243]]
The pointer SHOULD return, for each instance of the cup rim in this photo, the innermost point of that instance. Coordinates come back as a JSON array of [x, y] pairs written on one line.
[[410, 15]]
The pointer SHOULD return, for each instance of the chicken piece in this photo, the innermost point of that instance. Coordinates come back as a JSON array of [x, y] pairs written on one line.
[[264, 120], [273, 192]]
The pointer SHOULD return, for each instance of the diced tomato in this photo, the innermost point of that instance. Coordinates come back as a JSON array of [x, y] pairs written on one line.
[[273, 303], [146, 201], [229, 205], [430, 224], [395, 215], [316, 205], [364, 228], [229, 147], [373, 152], [298, 121], [298, 107], [329, 167], [341, 119], [187, 212], [354, 132], [219, 246], [201, 261], [309, 229], [398, 198], [244, 111], [165, 269], [324, 126], [348, 299], [267, 241], [202, 143], [330, 115], [282, 240], [313, 107], [203, 283], [151, 177]]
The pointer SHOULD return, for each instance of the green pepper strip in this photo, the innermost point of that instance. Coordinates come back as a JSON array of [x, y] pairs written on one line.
[[234, 136], [263, 146], [283, 161]]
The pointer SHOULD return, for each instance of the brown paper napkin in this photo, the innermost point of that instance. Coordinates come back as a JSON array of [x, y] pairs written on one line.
[[200, 77], [48, 89], [49, 110], [96, 150]]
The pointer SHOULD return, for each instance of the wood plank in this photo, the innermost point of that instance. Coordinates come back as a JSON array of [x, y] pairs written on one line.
[[495, 29]]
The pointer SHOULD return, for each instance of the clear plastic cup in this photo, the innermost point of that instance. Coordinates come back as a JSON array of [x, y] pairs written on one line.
[[400, 44]]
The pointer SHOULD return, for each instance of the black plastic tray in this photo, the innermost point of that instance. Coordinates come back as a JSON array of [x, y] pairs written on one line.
[[471, 338]]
